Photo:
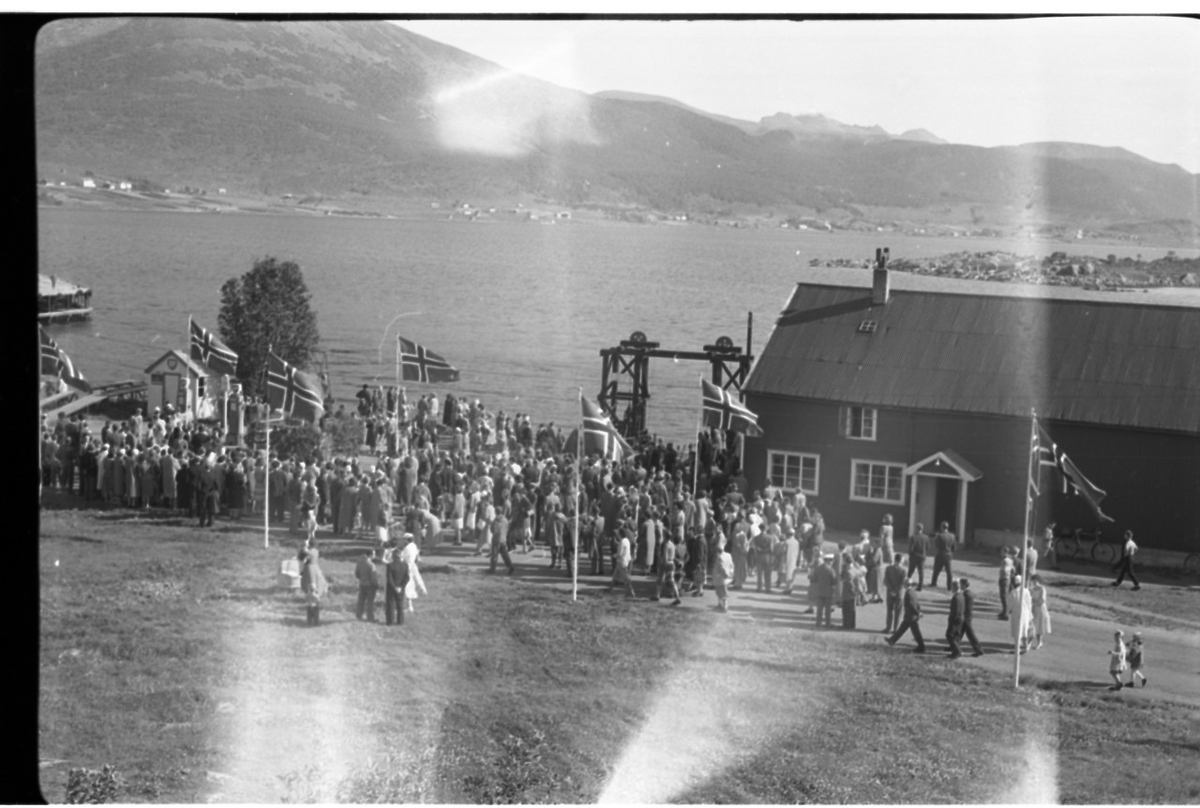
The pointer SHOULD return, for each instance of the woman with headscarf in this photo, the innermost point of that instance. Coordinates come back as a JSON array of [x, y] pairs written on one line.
[[348, 506], [235, 490]]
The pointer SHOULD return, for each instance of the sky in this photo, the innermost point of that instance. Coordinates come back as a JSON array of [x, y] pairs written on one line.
[[1128, 81]]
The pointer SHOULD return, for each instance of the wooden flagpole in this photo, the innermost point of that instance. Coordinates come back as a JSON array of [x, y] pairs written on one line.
[[699, 426], [578, 483]]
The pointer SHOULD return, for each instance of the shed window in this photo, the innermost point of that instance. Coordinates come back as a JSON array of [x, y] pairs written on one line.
[[876, 482], [794, 471]]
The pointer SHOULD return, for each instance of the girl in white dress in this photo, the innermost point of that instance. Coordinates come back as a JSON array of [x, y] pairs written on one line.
[[1041, 612], [415, 584]]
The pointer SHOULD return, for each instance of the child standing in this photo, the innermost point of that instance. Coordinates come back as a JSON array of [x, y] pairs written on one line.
[[1136, 660], [1116, 662], [724, 574]]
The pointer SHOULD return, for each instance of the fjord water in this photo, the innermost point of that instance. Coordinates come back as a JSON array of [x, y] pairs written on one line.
[[522, 309]]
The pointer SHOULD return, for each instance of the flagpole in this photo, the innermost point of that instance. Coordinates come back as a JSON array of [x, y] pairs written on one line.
[[699, 426], [196, 395], [267, 465], [267, 481], [578, 483], [1020, 595]]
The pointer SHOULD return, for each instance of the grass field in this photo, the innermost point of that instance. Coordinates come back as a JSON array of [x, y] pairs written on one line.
[[167, 654]]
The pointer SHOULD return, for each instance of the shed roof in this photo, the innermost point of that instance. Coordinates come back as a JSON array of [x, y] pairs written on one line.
[[186, 360], [1129, 359]]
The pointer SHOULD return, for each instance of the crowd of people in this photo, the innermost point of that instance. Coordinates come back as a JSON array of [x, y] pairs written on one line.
[[451, 470]]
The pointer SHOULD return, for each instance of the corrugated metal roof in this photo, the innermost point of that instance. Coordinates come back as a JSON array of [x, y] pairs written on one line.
[[1118, 359]]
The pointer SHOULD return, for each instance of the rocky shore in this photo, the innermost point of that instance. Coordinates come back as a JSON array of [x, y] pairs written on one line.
[[1057, 269]]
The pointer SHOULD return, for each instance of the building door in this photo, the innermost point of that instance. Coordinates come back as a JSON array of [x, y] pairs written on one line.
[[945, 508], [170, 389], [926, 501]]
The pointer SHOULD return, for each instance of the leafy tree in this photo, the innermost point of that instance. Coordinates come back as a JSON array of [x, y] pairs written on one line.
[[267, 308]]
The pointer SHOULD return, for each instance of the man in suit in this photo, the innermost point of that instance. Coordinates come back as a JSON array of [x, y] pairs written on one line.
[[954, 623], [893, 584], [918, 546], [964, 586], [943, 544], [823, 580], [912, 618], [396, 579], [368, 584]]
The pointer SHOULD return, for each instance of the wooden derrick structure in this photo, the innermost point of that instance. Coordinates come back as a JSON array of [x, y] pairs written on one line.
[[631, 359]]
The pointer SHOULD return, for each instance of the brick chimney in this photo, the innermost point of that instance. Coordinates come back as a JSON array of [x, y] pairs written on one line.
[[879, 285]]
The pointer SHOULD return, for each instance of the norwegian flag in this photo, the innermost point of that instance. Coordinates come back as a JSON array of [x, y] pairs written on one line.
[[1048, 454], [293, 391], [211, 352], [723, 411], [55, 362], [599, 435], [418, 364]]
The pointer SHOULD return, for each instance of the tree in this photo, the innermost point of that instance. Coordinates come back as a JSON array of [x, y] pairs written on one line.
[[267, 308]]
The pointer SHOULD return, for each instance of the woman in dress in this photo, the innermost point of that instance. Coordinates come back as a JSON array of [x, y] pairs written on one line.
[[314, 584], [886, 537], [235, 490], [409, 554], [874, 562], [1041, 612], [1020, 616]]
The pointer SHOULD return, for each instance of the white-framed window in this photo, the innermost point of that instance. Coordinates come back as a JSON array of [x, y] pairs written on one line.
[[859, 422], [794, 471], [871, 481], [201, 387]]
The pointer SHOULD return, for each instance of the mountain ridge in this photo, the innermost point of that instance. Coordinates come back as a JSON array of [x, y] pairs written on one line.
[[358, 109]]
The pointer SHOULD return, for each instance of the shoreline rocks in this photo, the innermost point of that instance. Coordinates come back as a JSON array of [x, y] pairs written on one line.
[[1056, 269]]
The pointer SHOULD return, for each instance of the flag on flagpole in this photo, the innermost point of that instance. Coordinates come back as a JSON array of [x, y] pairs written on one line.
[[211, 352], [1048, 454], [293, 391], [55, 362], [417, 364], [723, 411], [599, 435]]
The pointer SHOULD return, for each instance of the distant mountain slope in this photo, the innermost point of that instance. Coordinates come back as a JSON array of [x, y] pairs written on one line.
[[367, 108]]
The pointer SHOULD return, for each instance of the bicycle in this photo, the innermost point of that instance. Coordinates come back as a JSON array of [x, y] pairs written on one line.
[[1069, 544]]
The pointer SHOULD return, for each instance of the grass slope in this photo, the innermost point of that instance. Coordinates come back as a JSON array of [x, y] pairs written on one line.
[[167, 653]]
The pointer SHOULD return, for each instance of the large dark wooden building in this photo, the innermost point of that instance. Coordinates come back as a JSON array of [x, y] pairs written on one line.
[[890, 393]]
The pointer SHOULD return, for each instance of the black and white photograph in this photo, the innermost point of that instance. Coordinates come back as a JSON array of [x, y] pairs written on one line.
[[760, 407]]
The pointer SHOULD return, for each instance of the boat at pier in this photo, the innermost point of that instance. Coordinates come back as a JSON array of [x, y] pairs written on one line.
[[62, 301]]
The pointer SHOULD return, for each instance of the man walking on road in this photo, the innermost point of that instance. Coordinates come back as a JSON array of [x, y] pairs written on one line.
[[912, 618], [1125, 565], [954, 623], [893, 584], [918, 546], [943, 544], [968, 611]]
